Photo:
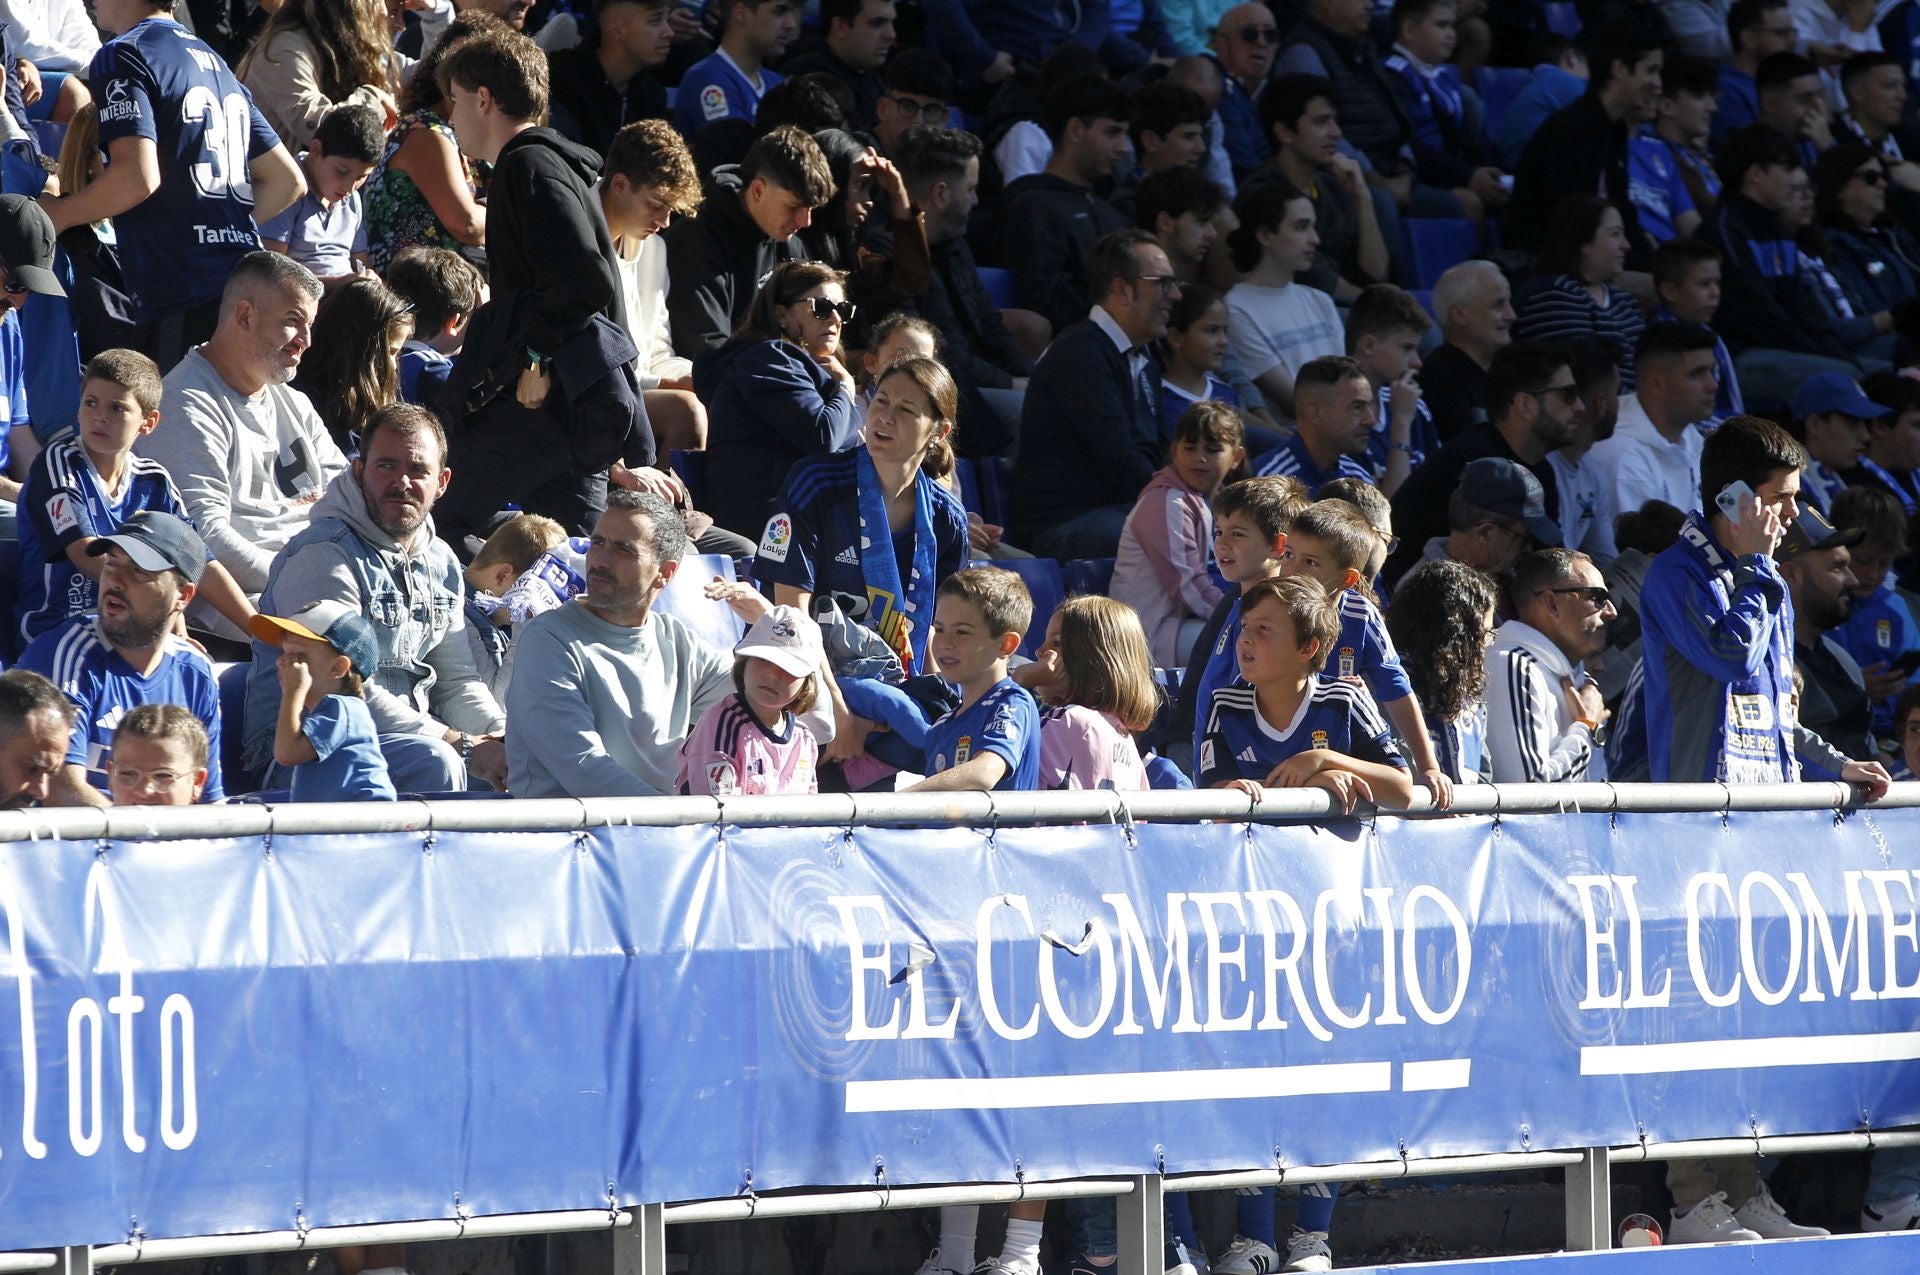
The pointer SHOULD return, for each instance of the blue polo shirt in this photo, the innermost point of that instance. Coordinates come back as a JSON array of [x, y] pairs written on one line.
[[1005, 721]]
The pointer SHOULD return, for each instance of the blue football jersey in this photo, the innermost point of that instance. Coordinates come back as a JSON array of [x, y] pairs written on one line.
[[65, 501], [105, 688], [160, 82], [715, 89], [1005, 721], [1366, 651], [1241, 744]]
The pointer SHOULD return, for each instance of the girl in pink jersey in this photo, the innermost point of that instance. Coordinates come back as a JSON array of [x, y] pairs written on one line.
[[752, 743], [1097, 681]]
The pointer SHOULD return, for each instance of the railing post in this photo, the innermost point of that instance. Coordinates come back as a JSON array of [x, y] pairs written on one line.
[[1141, 1215], [641, 1248], [75, 1260], [1590, 1201]]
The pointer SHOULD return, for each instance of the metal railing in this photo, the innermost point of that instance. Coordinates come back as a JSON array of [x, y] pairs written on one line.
[[639, 1233]]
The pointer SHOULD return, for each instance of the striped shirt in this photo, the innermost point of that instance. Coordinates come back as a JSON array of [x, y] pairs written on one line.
[[1281, 327], [1563, 310], [730, 754]]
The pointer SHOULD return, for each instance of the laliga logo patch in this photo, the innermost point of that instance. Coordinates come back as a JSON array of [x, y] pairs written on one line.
[[60, 514], [778, 538], [720, 778], [713, 102]]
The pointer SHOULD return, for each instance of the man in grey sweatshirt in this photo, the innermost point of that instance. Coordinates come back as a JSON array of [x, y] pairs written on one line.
[[605, 690], [371, 547]]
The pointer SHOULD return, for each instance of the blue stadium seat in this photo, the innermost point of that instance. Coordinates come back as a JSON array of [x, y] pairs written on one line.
[[1049, 590], [233, 716], [1087, 575], [956, 118], [673, 95], [685, 599], [995, 476], [1498, 86], [1562, 19], [1439, 242], [1425, 297], [692, 468], [999, 285], [969, 480]]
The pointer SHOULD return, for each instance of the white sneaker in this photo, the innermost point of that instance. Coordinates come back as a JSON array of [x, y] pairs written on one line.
[[1708, 1222], [934, 1266], [1308, 1251], [1902, 1214], [1764, 1216], [1247, 1257], [1001, 1266]]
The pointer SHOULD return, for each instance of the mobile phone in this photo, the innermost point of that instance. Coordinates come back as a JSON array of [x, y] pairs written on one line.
[[1907, 661], [1733, 499]]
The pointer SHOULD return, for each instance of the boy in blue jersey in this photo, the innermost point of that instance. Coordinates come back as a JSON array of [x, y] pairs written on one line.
[[1287, 726], [1384, 327], [1686, 274], [1447, 142], [128, 655], [191, 162], [444, 290], [992, 741], [86, 486], [728, 83], [1881, 629], [324, 229]]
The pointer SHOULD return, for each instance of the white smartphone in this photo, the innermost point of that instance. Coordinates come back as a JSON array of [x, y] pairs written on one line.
[[1733, 500]]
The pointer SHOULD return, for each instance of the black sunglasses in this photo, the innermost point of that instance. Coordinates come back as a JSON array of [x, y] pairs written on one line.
[[1567, 393], [822, 307], [1597, 594], [12, 287], [1259, 35], [1872, 176]]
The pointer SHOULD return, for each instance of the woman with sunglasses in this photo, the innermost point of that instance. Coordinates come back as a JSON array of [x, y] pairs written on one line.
[[1573, 294], [1861, 326], [776, 392], [1871, 254]]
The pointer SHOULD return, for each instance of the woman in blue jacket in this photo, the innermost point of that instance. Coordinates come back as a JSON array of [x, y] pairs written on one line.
[[1873, 257], [776, 392]]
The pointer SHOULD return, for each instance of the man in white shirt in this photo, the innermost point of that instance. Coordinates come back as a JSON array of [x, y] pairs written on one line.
[[246, 450], [1543, 711], [53, 35], [1654, 453], [648, 178]]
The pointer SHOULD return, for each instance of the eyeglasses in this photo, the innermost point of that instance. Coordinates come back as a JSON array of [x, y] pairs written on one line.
[[931, 112], [1258, 35], [1598, 594], [1392, 543], [822, 308], [1569, 394], [12, 287], [1165, 282], [1872, 176]]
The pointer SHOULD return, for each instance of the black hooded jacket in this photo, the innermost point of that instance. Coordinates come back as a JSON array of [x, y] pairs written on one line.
[[717, 261], [547, 237]]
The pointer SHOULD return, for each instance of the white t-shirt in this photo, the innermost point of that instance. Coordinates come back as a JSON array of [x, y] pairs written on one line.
[[643, 285], [1280, 327]]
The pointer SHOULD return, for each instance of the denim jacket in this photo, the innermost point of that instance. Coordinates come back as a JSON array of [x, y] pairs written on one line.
[[413, 594]]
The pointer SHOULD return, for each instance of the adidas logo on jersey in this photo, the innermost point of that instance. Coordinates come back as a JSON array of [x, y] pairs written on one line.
[[1246, 754], [848, 555]]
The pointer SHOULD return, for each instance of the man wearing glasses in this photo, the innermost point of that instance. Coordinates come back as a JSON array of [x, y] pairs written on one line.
[[1760, 29], [1544, 712], [1534, 406], [1245, 45], [918, 88]]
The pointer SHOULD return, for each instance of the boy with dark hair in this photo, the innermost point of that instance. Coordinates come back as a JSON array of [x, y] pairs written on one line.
[[1758, 29], [1178, 206], [444, 290], [1447, 154], [991, 742], [749, 224], [919, 88], [608, 78], [1686, 275], [1051, 220], [183, 188], [1793, 103], [1168, 126], [855, 38], [325, 229], [1384, 327], [550, 260], [1880, 627], [1669, 168], [1298, 115], [729, 82]]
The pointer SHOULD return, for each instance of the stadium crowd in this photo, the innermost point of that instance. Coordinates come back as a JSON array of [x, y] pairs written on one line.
[[1145, 393]]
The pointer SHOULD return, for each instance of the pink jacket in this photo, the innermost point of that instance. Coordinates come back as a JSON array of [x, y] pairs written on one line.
[[1161, 567]]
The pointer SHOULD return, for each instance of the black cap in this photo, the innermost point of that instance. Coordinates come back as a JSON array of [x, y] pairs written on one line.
[[1812, 533], [26, 245], [1503, 487], [157, 542]]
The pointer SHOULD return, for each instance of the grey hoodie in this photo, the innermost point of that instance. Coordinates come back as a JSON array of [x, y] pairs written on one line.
[[412, 593]]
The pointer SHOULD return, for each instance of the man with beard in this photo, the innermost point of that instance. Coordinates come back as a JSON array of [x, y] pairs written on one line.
[[246, 450], [36, 723], [1543, 709], [131, 653], [1816, 561], [605, 691], [371, 547], [1535, 406]]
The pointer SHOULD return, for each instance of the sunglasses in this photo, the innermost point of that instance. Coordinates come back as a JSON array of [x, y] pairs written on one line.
[[821, 308], [12, 287], [1597, 594], [1872, 176], [1259, 35], [1568, 393]]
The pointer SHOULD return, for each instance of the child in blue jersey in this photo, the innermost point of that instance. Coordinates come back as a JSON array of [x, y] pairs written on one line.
[[325, 229], [992, 741], [1384, 327], [1196, 350], [323, 731], [1906, 737], [1881, 629], [728, 83], [1331, 541], [85, 486], [444, 290]]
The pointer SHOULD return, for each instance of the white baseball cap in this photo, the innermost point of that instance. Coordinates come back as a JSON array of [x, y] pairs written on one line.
[[785, 637]]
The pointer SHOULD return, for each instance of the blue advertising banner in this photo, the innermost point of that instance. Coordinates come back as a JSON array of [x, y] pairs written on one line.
[[214, 1036]]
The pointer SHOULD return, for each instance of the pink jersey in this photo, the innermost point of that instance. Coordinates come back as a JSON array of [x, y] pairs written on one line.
[[730, 754], [1080, 748]]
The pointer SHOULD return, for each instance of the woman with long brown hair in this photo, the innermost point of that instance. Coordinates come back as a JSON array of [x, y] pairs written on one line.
[[352, 369], [314, 55]]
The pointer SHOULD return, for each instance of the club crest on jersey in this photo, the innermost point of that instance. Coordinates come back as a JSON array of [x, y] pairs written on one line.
[[1319, 739], [963, 749], [778, 538], [1346, 661], [1883, 633], [713, 102]]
